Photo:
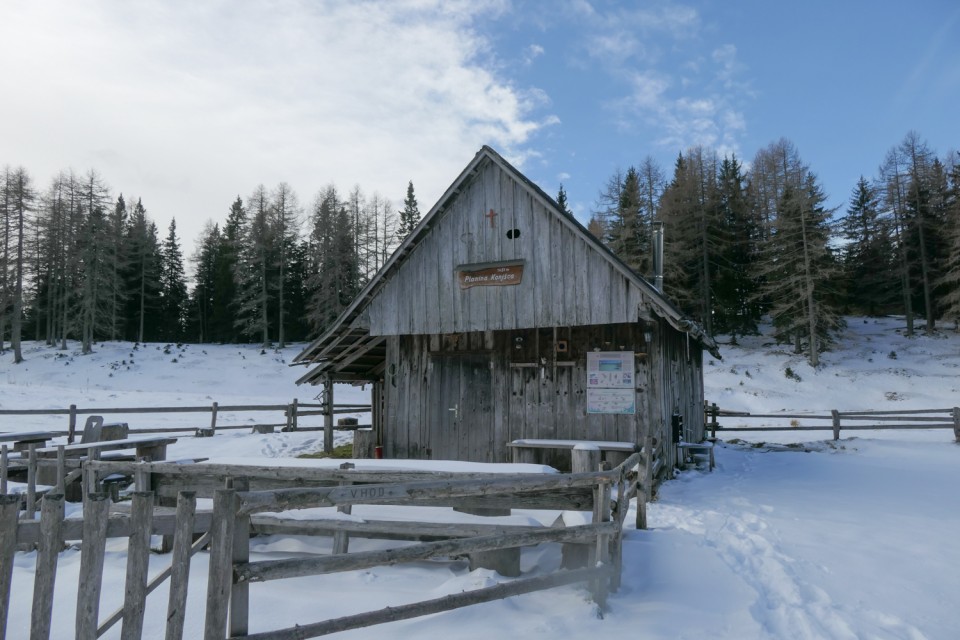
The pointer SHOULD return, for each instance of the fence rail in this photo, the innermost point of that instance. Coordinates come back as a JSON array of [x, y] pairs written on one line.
[[291, 414], [877, 420], [227, 530]]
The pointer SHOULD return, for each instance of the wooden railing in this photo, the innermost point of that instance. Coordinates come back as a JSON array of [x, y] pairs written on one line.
[[836, 421], [291, 414], [235, 516]]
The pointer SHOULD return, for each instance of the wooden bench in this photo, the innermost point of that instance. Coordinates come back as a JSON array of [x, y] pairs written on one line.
[[688, 451], [525, 450]]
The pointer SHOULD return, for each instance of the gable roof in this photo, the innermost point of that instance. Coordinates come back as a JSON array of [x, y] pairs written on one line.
[[348, 350]]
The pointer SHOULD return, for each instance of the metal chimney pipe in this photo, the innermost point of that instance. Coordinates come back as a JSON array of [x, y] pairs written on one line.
[[657, 242]]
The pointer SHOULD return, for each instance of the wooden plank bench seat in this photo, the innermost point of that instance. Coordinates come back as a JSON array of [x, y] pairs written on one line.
[[153, 448], [524, 450]]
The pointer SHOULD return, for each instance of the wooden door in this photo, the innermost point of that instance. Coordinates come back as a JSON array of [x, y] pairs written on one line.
[[461, 419]]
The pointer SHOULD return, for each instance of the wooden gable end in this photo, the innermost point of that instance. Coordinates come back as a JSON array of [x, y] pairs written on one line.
[[497, 224]]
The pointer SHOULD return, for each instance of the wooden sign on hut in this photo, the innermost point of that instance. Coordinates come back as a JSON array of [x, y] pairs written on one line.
[[502, 318]]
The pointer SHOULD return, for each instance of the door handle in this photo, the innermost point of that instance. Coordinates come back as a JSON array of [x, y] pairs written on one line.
[[456, 411]]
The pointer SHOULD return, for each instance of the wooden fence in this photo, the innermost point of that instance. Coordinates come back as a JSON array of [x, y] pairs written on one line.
[[836, 421], [291, 414], [236, 515]]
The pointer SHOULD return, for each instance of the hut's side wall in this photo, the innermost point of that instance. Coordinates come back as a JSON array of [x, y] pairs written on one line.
[[677, 382], [466, 395], [566, 281]]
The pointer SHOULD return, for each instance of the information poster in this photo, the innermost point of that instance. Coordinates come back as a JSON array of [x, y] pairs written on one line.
[[611, 401], [611, 382]]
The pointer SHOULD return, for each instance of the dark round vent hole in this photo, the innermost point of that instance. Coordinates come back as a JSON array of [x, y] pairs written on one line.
[[513, 234]]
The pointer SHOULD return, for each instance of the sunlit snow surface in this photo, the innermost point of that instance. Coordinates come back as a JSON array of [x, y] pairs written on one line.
[[853, 539]]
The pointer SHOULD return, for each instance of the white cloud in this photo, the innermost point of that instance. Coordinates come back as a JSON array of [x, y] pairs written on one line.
[[188, 104]]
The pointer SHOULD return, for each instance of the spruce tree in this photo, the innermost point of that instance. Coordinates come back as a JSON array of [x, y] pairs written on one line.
[[870, 272], [173, 288], [409, 215], [735, 309], [562, 201]]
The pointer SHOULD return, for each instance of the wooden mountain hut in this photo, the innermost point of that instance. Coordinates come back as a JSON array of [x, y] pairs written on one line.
[[502, 318]]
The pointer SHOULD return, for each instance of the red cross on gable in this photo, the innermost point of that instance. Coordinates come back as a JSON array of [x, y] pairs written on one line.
[[491, 215]]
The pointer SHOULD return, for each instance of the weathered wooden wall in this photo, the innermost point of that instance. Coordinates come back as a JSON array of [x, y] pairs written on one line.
[[566, 281], [506, 385]]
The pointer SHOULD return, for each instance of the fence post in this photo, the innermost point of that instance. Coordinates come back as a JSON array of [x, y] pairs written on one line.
[[601, 554], [341, 539], [31, 482], [96, 510], [220, 578], [9, 510], [72, 429], [956, 424], [213, 418], [240, 593], [293, 415], [180, 564], [328, 415], [836, 424], [61, 469], [138, 562], [48, 553], [4, 468]]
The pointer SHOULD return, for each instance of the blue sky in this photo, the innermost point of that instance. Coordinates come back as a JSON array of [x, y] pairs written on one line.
[[189, 104]]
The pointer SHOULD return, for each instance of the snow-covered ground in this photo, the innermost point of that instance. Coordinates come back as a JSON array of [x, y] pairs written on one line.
[[854, 539]]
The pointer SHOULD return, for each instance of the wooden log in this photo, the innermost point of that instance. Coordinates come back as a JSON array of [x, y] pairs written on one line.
[[9, 512], [220, 578], [138, 562], [240, 593], [48, 553], [364, 441], [96, 508], [299, 567], [180, 565], [302, 498], [437, 605], [379, 529]]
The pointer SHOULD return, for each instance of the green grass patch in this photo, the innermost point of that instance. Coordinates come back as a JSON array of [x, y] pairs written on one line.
[[344, 451]]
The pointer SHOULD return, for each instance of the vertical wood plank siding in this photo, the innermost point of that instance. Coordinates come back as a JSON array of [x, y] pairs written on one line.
[[531, 400], [565, 281]]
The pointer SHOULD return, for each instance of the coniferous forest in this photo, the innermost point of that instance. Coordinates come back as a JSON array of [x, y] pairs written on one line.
[[743, 242]]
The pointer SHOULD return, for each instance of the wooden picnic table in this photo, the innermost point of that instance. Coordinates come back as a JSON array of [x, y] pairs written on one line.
[[22, 440]]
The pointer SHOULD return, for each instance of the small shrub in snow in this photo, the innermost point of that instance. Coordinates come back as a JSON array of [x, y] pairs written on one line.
[[791, 374], [892, 355]]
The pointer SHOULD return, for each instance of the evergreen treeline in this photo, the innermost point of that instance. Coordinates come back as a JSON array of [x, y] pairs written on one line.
[[79, 265], [741, 244]]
